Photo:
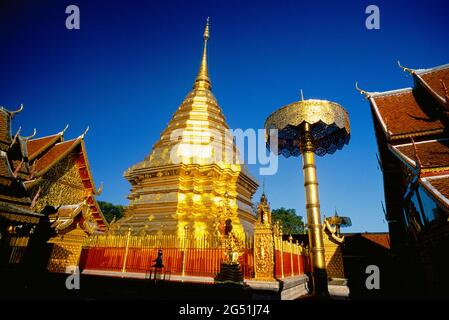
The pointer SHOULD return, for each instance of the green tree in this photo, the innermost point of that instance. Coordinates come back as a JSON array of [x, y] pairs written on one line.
[[290, 221], [111, 210]]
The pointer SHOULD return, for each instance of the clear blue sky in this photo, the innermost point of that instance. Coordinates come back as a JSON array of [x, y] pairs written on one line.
[[131, 64]]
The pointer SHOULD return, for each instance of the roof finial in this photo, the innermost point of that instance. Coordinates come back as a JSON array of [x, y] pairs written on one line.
[[64, 130], [12, 113], [99, 190], [202, 80], [84, 133], [32, 136], [365, 93], [411, 71], [302, 96]]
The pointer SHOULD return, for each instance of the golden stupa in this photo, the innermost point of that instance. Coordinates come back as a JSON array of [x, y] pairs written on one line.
[[190, 180]]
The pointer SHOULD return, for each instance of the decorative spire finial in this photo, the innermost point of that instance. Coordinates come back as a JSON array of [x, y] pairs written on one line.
[[100, 189], [64, 130], [12, 113], [84, 133], [405, 69], [206, 30], [32, 135], [365, 93], [202, 80]]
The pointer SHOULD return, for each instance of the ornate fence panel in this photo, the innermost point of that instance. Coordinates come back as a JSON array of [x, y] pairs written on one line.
[[291, 259], [188, 256], [246, 258]]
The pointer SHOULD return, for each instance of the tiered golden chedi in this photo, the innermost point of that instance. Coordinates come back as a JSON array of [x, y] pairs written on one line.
[[189, 181]]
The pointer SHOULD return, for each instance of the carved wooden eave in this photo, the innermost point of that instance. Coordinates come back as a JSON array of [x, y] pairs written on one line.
[[68, 217], [409, 164], [98, 214], [89, 184], [19, 214], [85, 165]]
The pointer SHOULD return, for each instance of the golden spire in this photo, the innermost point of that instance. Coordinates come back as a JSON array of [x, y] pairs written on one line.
[[202, 80]]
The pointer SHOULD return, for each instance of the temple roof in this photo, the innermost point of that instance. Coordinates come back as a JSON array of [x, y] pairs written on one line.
[[379, 238], [436, 80], [37, 146], [14, 199], [17, 179], [382, 239], [414, 122], [406, 113], [426, 154], [411, 112], [48, 151], [54, 154]]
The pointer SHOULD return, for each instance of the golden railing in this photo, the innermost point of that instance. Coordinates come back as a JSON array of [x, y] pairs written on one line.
[[291, 258], [186, 255], [17, 248]]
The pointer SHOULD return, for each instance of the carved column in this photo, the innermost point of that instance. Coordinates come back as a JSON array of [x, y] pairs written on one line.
[[263, 252]]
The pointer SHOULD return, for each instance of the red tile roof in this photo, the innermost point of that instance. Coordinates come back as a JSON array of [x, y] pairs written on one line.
[[407, 113], [432, 154], [55, 153], [36, 146], [382, 239], [433, 80]]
